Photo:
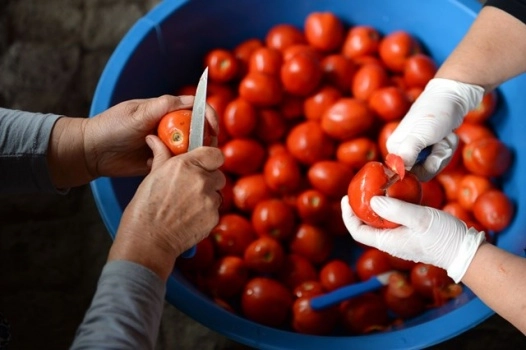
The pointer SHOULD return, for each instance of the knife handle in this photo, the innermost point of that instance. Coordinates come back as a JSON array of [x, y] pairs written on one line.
[[423, 154], [189, 253], [338, 295]]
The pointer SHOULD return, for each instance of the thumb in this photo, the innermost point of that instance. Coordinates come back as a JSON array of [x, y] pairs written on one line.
[[161, 153], [413, 216]]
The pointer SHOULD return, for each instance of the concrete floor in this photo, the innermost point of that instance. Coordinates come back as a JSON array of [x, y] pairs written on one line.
[[52, 248]]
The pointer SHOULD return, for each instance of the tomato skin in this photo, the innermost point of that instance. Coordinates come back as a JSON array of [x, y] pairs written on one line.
[[330, 177], [487, 157], [222, 65], [408, 189], [271, 126], [249, 190], [454, 208], [264, 255], [301, 74], [364, 314], [471, 186], [347, 118], [419, 69], [336, 274], [494, 210], [308, 143], [361, 40], [450, 181], [295, 270], [282, 173], [308, 321], [469, 132], [239, 118], [265, 60], [357, 151], [312, 206], [384, 133], [227, 277], [232, 234], [308, 289], [368, 78], [260, 89], [273, 218], [311, 242], [266, 301], [243, 51], [433, 194], [484, 110], [372, 262], [389, 103], [396, 47], [324, 31], [315, 105], [338, 71], [282, 36], [174, 130], [243, 156]]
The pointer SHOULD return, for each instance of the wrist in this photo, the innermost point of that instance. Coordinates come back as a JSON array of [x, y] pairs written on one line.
[[466, 96], [465, 253]]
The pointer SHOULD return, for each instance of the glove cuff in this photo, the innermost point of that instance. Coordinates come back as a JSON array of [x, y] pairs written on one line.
[[466, 251], [468, 96]]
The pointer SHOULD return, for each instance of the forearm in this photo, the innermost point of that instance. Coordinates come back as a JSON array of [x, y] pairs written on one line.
[[490, 53], [497, 278]]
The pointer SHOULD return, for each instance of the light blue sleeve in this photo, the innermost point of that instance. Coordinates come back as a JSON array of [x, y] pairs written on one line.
[[126, 310], [24, 139]]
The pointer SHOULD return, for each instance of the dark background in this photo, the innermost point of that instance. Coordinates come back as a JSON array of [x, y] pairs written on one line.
[[52, 248]]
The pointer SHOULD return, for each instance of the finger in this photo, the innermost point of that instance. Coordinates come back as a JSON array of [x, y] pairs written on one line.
[[413, 216], [161, 153], [359, 231], [208, 158], [155, 108], [440, 156]]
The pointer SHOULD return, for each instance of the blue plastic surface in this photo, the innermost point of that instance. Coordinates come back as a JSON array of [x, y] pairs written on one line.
[[164, 51]]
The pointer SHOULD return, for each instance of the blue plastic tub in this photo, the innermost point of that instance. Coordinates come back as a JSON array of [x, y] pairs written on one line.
[[164, 51]]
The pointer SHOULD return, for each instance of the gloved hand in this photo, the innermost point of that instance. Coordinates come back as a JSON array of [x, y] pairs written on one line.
[[433, 117], [427, 235]]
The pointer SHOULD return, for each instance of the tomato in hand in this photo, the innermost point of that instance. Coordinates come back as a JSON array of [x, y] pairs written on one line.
[[273, 218], [324, 31], [494, 210], [222, 65], [330, 177], [372, 262], [264, 255], [396, 47], [316, 322], [336, 274], [249, 190], [227, 277], [347, 118], [174, 130], [484, 110], [232, 234], [312, 206], [308, 143], [361, 40], [487, 157], [311, 242]]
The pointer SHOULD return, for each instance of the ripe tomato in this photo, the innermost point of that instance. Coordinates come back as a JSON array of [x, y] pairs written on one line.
[[227, 277], [402, 298], [243, 156], [239, 118], [264, 255], [384, 133], [419, 69], [203, 258], [243, 51], [396, 47], [484, 110], [291, 107], [469, 132], [368, 78], [266, 301], [301, 74], [433, 194], [227, 195], [372, 262], [335, 274], [232, 234], [487, 157], [364, 314], [357, 151], [347, 118], [430, 282], [324, 31], [471, 187], [330, 177], [361, 40], [174, 130], [311, 242], [284, 35], [334, 222], [261, 89], [265, 60], [271, 126], [308, 143], [249, 190], [389, 103], [273, 218], [338, 71], [316, 104], [282, 173], [400, 264], [450, 181], [295, 270], [312, 206], [222, 65], [370, 181], [454, 208], [316, 322], [494, 210], [308, 289]]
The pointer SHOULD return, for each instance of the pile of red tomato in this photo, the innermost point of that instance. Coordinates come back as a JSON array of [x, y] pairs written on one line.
[[301, 111]]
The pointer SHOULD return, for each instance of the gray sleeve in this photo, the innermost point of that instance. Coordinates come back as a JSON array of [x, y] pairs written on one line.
[[24, 139], [126, 310]]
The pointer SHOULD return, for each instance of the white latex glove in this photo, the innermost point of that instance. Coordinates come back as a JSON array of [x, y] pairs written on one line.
[[433, 117], [427, 235]]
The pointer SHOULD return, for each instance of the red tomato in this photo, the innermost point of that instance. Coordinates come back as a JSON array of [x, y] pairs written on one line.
[[347, 118], [400, 264], [450, 181], [361, 40], [372, 262], [301, 74], [430, 282], [311, 242], [454, 208], [249, 190], [384, 133], [243, 51], [484, 110], [413, 93], [330, 177], [291, 107], [336, 274], [364, 314], [282, 173], [227, 196], [419, 69], [368, 78], [494, 210], [316, 104], [324, 31], [433, 194], [266, 301], [396, 47], [265, 60], [273, 218], [389, 103], [334, 222], [232, 234], [358, 151], [308, 321], [261, 89], [487, 157], [370, 181], [338, 71], [308, 289], [471, 187], [271, 126], [239, 118], [264, 255], [402, 298], [396, 164], [243, 156], [301, 49], [222, 65], [312, 206], [295, 270], [203, 258], [174, 131], [282, 36], [468, 132], [227, 277], [308, 143]]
